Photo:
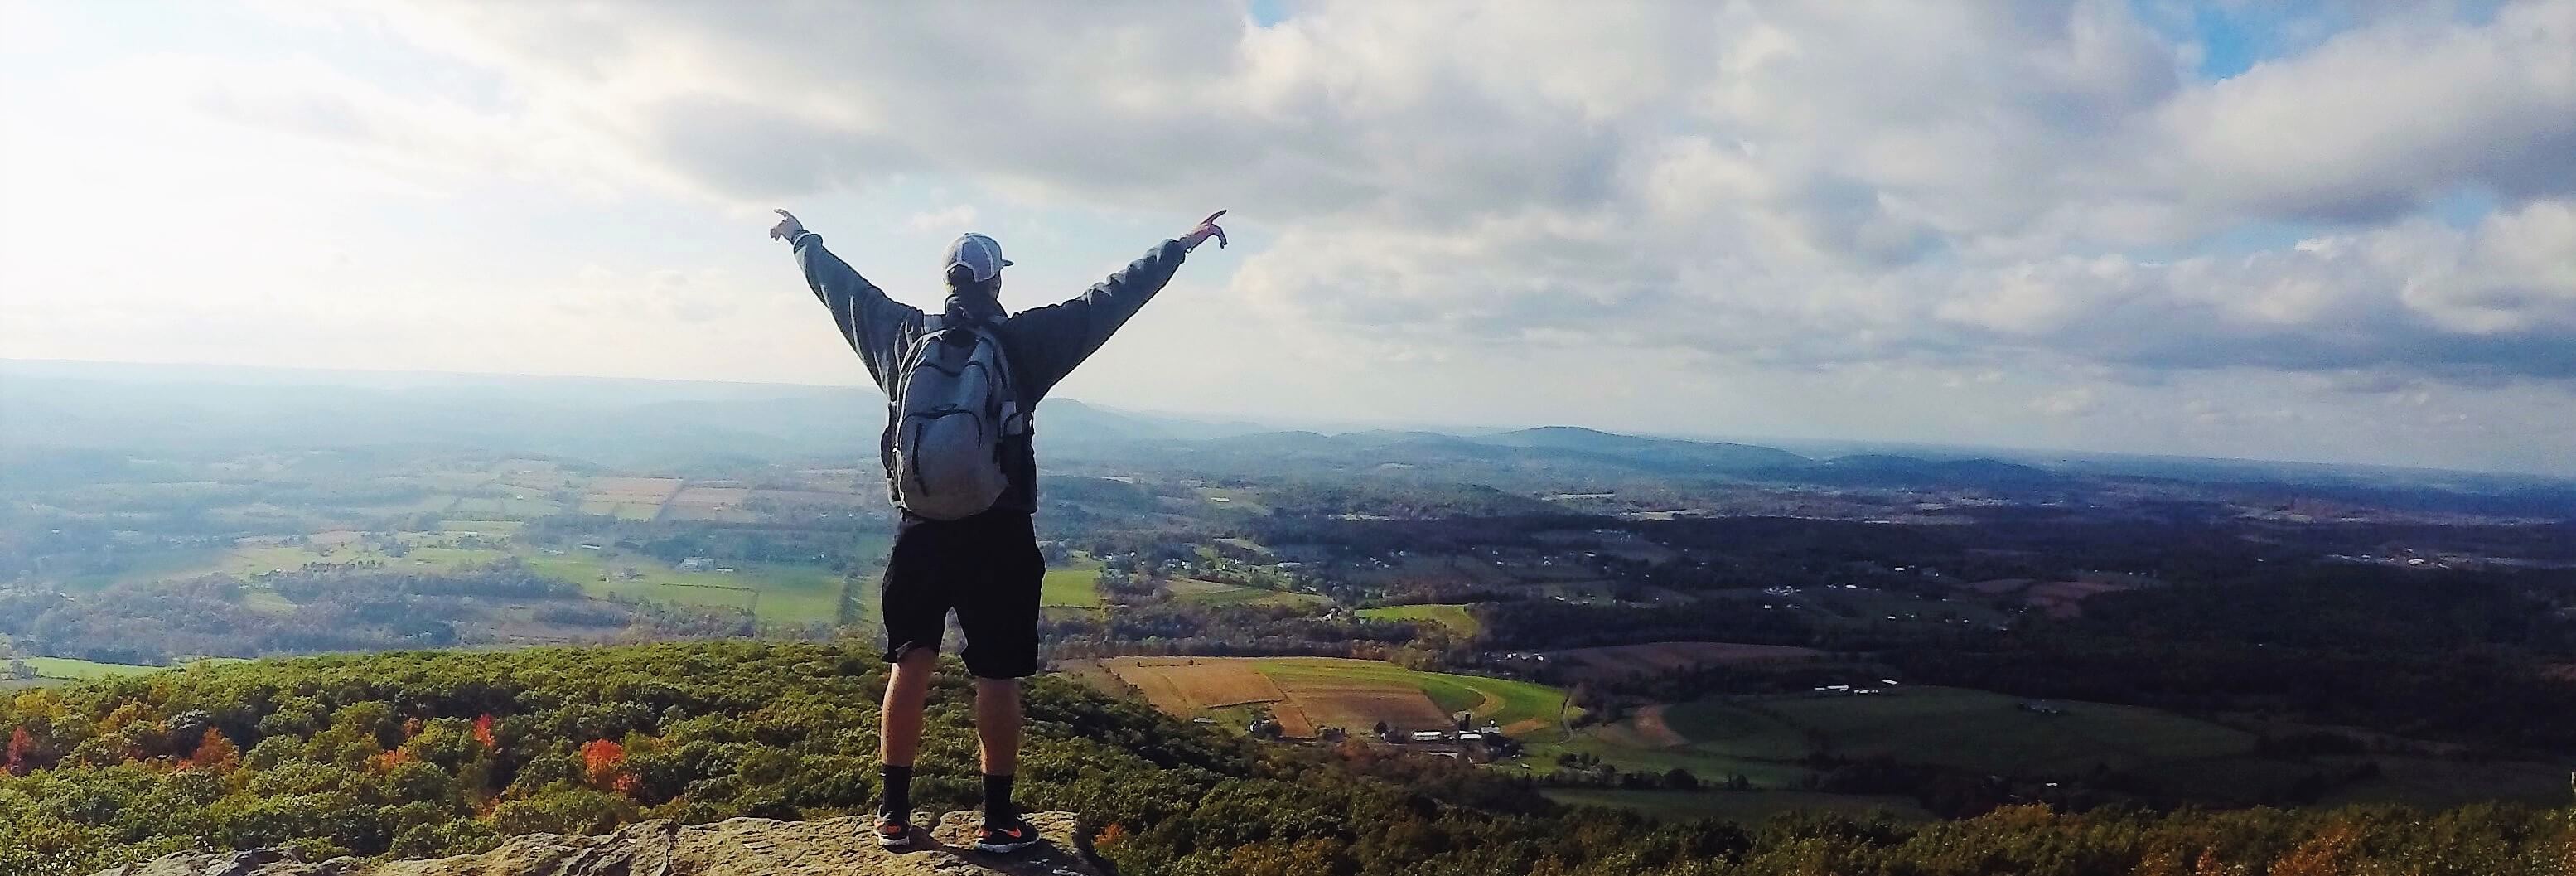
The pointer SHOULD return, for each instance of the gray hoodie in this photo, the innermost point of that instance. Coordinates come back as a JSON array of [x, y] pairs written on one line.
[[1043, 344]]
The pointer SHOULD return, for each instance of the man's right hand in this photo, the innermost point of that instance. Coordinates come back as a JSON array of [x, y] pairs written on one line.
[[787, 227]]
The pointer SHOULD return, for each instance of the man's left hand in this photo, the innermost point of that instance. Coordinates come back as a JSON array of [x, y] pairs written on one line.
[[1207, 228]]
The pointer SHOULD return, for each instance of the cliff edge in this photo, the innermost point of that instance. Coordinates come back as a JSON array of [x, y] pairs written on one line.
[[736, 847]]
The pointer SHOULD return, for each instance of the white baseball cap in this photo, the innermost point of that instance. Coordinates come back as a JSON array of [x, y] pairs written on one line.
[[979, 254]]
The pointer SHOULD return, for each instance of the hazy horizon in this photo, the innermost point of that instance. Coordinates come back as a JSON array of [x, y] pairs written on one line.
[[2311, 232], [1818, 446]]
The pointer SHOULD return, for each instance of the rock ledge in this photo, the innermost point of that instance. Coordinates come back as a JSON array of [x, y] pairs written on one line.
[[736, 847]]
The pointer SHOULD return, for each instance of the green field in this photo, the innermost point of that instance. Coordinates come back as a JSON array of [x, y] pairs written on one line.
[[149, 566], [69, 669], [1454, 616], [623, 510], [1720, 727], [1708, 765], [1766, 738], [486, 528], [257, 558], [1503, 701], [2427, 782], [788, 594], [1200, 592], [1071, 588], [1978, 730], [1744, 807], [504, 506], [434, 503], [1246, 501], [264, 599], [254, 560]]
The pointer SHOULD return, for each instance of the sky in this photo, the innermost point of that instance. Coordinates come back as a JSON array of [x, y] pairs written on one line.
[[2309, 231]]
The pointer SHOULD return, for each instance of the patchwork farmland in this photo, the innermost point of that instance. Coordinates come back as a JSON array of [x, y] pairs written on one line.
[[1202, 592], [1307, 694], [631, 498]]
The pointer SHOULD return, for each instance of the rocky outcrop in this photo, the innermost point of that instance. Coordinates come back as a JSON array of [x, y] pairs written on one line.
[[738, 847]]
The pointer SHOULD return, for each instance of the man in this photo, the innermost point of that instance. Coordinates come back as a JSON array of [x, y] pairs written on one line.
[[976, 555]]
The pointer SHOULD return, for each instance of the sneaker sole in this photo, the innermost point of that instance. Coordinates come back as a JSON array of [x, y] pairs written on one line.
[[1003, 848], [892, 842]]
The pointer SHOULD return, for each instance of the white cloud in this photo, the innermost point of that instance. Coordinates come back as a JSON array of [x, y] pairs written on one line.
[[1735, 188], [951, 219], [2067, 403], [2386, 117]]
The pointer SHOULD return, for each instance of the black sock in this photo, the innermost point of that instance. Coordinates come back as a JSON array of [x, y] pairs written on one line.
[[997, 798], [897, 800]]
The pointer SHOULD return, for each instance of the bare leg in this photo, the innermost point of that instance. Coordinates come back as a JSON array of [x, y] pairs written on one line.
[[997, 724], [899, 722]]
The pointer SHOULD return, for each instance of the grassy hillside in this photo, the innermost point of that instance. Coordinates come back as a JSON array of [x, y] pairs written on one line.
[[1071, 588], [1455, 617]]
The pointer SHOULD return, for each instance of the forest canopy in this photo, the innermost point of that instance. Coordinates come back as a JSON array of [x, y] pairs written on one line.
[[433, 753]]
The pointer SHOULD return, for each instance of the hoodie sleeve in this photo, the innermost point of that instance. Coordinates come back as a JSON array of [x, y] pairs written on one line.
[[876, 326], [1050, 341]]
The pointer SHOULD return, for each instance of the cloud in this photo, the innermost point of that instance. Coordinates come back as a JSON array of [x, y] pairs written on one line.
[[2384, 118], [1781, 185], [954, 218], [2075, 402]]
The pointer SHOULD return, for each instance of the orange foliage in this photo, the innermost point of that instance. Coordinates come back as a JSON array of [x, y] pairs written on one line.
[[2329, 853], [483, 731], [2210, 865], [20, 746], [2159, 862], [605, 763], [216, 753], [386, 762], [1110, 835]]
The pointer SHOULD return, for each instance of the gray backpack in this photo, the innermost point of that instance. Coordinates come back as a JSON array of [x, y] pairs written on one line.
[[955, 409]]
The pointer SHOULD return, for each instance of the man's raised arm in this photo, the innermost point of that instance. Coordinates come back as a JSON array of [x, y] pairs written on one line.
[[1062, 335], [876, 326]]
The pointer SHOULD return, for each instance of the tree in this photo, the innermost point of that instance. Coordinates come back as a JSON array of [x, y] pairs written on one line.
[[604, 765], [216, 753]]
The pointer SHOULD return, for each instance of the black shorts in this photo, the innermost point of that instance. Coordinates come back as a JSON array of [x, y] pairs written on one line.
[[987, 568]]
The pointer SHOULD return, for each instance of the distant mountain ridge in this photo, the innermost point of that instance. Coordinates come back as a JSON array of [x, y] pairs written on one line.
[[645, 423], [1668, 451], [162, 409]]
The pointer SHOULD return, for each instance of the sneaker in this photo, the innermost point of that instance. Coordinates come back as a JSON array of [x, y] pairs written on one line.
[[1004, 837], [893, 832]]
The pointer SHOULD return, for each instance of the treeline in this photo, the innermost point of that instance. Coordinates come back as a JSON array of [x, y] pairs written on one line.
[[343, 608], [1230, 630], [1541, 625], [2467, 657], [418, 754], [838, 541], [500, 579], [155, 623]]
